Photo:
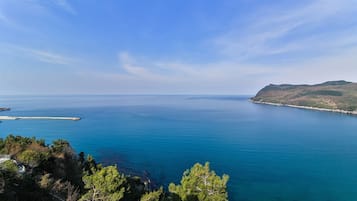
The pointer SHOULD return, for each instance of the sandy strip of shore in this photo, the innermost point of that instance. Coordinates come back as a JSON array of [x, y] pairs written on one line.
[[306, 107]]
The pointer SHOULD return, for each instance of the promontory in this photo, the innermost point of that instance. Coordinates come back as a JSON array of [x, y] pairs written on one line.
[[334, 96]]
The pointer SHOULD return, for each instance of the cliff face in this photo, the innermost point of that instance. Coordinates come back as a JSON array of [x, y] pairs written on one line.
[[337, 95]]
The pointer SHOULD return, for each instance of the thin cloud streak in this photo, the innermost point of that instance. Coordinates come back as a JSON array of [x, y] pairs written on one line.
[[228, 77], [266, 33], [5, 20], [65, 5], [44, 56]]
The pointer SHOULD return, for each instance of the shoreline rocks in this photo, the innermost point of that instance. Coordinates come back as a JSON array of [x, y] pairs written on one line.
[[307, 107]]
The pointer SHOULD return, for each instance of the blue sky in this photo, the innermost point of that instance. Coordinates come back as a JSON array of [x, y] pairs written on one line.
[[173, 47]]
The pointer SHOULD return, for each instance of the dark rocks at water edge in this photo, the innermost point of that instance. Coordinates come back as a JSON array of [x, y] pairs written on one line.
[[4, 109]]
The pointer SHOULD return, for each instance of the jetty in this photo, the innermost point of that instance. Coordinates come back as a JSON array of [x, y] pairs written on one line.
[[38, 118], [4, 109]]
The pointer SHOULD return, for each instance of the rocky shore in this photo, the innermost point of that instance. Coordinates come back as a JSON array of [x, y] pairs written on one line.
[[307, 107]]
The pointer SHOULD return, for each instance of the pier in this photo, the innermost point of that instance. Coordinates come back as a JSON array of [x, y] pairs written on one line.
[[38, 118]]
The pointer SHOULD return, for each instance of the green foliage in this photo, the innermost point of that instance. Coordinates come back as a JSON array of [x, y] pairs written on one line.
[[58, 171], [32, 158], [14, 145], [152, 196], [106, 184], [89, 165], [9, 166], [350, 108], [59, 146], [324, 93], [23, 141], [201, 184], [2, 146], [41, 142]]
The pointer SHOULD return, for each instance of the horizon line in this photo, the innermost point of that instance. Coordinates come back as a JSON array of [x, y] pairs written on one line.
[[123, 94]]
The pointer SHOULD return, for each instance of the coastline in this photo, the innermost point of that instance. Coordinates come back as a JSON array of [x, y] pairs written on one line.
[[306, 107]]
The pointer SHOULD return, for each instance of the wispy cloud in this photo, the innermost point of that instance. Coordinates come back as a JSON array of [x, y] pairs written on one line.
[[292, 30], [180, 72], [142, 69], [5, 20], [65, 5], [130, 66], [50, 57], [44, 56], [36, 9]]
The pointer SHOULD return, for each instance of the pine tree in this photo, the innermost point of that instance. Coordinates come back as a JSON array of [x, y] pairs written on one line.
[[152, 196], [201, 184], [106, 184]]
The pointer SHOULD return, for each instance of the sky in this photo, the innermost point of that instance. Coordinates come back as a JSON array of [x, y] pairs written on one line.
[[173, 46]]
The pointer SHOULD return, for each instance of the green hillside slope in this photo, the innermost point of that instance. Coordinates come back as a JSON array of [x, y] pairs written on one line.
[[335, 95]]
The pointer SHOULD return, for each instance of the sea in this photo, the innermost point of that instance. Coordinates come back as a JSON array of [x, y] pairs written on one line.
[[271, 153]]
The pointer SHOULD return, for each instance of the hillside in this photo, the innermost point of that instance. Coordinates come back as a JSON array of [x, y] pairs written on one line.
[[332, 95]]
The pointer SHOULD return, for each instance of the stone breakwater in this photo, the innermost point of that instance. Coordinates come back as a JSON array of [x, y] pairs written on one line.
[[4, 109], [34, 118], [38, 118], [307, 107]]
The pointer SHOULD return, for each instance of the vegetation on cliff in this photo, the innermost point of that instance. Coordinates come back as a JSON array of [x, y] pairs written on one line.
[[55, 172], [333, 95]]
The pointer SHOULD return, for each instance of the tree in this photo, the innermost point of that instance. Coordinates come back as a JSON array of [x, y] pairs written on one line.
[[15, 144], [9, 166], [152, 196], [32, 158], [2, 146], [89, 165], [105, 184], [201, 184], [61, 146]]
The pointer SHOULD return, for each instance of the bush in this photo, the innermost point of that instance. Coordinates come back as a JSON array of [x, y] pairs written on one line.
[[32, 158], [9, 166], [152, 196]]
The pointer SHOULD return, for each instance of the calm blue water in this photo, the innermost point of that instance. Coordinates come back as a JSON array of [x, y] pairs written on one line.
[[270, 153]]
